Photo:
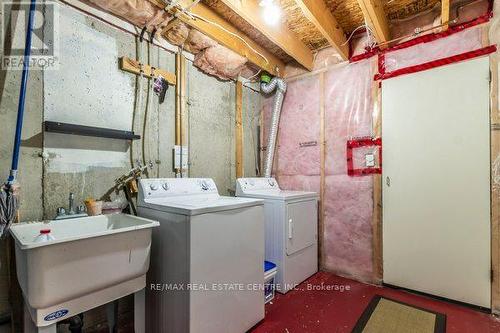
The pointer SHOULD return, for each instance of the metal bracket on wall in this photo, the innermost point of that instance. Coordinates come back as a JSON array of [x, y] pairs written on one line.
[[133, 66]]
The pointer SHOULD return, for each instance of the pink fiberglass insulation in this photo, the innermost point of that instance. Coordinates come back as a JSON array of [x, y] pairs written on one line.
[[138, 12], [211, 58], [178, 34], [197, 42], [348, 200], [220, 61], [349, 105], [348, 111], [432, 18], [464, 41], [299, 152], [298, 149], [324, 58], [347, 246], [300, 183], [495, 25]]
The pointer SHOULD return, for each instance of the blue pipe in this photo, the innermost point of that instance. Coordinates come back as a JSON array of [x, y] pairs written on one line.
[[22, 96]]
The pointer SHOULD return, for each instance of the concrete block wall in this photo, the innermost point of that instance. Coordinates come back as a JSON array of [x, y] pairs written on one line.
[[88, 88]]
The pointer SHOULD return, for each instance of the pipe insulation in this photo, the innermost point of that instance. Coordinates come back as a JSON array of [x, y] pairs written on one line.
[[280, 86]]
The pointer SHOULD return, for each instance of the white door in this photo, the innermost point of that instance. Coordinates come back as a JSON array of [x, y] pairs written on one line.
[[436, 181]]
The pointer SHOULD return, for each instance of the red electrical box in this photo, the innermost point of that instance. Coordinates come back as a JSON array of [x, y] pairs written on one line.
[[358, 143]]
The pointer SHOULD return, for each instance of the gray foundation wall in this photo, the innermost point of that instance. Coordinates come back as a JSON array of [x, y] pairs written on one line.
[[89, 89], [211, 130]]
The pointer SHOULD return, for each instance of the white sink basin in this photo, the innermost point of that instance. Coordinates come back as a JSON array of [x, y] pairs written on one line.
[[92, 261]]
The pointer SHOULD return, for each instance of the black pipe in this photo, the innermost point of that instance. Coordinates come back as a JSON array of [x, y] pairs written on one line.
[[153, 34], [143, 31], [75, 323]]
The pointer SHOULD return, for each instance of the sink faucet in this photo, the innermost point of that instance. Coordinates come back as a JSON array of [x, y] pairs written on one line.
[[71, 214]]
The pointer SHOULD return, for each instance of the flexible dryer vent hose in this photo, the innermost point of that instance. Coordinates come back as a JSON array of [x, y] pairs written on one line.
[[280, 86]]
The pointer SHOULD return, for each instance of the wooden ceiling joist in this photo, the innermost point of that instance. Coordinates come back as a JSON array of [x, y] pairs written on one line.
[[279, 34], [373, 11], [317, 13], [445, 14], [211, 24]]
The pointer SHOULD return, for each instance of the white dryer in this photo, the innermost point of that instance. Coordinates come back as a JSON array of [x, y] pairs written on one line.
[[291, 219], [206, 258]]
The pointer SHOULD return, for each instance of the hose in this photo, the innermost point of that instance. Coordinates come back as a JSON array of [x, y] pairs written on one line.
[[145, 143], [280, 86], [9, 202], [138, 93], [22, 96]]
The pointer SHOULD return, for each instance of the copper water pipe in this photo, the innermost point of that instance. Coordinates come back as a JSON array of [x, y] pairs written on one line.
[[178, 111]]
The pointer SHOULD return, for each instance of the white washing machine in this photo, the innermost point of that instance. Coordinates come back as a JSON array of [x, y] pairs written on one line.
[[291, 219], [206, 259]]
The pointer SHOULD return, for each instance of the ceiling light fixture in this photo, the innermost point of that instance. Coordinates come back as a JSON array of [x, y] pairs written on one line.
[[271, 12]]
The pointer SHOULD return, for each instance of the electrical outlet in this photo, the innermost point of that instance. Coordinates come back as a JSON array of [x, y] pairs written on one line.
[[370, 160], [181, 155]]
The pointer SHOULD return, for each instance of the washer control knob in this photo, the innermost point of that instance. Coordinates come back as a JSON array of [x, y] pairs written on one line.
[[205, 186], [271, 182], [165, 186], [153, 187]]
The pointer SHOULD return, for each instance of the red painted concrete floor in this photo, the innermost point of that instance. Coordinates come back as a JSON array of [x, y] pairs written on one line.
[[309, 311]]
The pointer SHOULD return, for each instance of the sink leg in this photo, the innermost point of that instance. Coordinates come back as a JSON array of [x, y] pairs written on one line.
[[30, 327], [140, 311], [111, 314], [48, 329]]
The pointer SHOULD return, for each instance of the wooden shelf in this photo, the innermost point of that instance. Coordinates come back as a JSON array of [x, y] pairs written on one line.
[[133, 66]]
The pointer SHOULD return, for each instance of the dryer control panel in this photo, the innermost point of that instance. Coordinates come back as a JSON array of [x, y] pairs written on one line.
[[151, 188], [245, 185]]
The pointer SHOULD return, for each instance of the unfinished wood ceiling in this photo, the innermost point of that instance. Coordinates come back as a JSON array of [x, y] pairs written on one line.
[[245, 27], [301, 26], [347, 13], [402, 9]]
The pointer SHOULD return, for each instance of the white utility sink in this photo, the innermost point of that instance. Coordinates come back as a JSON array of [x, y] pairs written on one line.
[[92, 261]]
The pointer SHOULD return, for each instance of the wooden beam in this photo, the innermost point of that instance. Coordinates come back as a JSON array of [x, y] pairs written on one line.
[[178, 99], [322, 173], [279, 34], [445, 14], [134, 66], [211, 24], [184, 119], [180, 117], [373, 11], [239, 129], [318, 13]]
